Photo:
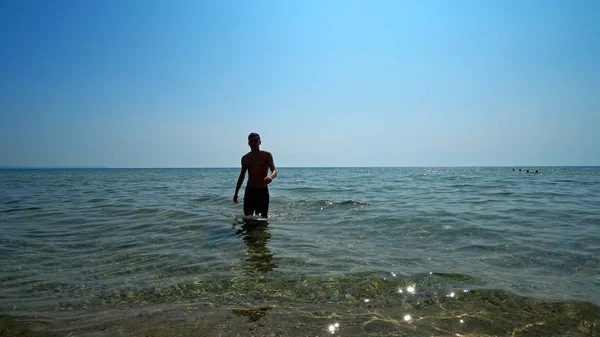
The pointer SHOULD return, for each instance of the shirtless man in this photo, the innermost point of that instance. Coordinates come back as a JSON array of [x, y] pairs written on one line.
[[257, 163]]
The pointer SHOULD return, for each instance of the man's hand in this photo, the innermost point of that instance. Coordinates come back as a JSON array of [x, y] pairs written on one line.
[[268, 180], [235, 199]]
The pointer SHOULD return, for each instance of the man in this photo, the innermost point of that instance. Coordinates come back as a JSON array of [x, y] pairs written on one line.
[[257, 163]]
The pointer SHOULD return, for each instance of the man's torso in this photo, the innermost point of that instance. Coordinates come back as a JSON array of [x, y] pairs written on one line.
[[258, 168]]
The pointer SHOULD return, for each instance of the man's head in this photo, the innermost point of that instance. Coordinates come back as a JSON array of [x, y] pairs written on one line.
[[254, 141]]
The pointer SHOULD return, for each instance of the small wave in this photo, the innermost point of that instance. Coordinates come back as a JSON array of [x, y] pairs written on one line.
[[295, 209], [484, 248], [354, 203], [146, 210], [346, 204], [109, 205], [316, 204], [499, 194], [28, 209], [210, 199], [464, 185], [304, 189], [178, 214], [551, 194]]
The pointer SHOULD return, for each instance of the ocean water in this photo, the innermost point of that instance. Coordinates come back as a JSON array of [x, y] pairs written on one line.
[[379, 251]]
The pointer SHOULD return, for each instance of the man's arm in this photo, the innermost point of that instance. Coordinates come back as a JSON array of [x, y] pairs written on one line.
[[273, 174], [240, 181]]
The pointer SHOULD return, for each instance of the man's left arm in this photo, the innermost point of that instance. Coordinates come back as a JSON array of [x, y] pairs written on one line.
[[273, 174]]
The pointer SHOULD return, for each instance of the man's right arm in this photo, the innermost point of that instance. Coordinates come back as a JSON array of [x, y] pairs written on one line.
[[240, 181]]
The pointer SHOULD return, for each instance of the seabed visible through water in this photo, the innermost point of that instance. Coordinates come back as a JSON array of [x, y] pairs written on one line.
[[370, 305]]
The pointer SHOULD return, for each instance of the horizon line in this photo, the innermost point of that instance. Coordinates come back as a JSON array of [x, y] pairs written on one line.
[[41, 167]]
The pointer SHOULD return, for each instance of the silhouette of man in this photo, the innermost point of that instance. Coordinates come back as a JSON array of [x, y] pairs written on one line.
[[257, 162]]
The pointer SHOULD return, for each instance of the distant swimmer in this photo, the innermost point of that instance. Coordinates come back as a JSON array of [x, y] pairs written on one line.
[[529, 171], [257, 163], [532, 171]]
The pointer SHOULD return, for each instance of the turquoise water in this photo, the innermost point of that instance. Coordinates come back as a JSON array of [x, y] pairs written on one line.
[[73, 240]]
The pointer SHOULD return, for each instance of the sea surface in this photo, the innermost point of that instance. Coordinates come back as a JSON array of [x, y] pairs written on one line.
[[346, 251]]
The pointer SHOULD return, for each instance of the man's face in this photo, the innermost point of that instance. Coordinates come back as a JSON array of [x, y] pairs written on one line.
[[254, 142]]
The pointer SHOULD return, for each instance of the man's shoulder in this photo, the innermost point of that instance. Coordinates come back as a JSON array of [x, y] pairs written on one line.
[[266, 153], [245, 157]]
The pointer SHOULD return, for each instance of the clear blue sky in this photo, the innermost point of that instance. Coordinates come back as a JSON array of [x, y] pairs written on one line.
[[326, 83]]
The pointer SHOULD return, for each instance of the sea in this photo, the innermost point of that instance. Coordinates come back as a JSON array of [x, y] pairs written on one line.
[[408, 251]]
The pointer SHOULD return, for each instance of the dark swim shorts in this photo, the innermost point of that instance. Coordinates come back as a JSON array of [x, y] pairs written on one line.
[[256, 200]]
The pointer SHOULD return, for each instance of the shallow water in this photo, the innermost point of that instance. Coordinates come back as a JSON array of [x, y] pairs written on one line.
[[76, 242]]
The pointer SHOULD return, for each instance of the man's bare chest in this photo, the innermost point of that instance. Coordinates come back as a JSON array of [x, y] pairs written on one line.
[[257, 163]]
